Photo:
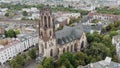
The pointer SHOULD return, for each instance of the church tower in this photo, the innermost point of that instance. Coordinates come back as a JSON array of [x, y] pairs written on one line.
[[47, 41]]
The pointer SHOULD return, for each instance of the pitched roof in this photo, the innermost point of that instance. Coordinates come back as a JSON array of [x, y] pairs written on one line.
[[68, 34]]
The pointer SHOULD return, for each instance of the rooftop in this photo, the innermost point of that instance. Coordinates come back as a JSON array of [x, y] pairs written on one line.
[[107, 63], [117, 38], [68, 34]]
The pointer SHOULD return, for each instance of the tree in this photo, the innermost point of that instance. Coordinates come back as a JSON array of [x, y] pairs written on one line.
[[17, 32], [95, 21], [113, 33], [107, 40], [32, 54], [48, 63], [69, 57], [13, 64], [24, 13], [63, 66], [67, 64], [81, 57], [7, 14], [40, 66], [10, 33], [20, 60]]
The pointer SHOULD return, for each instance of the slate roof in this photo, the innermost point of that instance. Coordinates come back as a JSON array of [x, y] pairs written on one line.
[[98, 65], [87, 28], [68, 34]]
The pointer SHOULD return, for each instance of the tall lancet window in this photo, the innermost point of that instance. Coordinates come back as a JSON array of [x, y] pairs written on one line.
[[45, 21], [41, 21], [49, 21]]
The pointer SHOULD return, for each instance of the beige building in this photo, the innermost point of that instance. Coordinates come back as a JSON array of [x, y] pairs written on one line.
[[54, 43]]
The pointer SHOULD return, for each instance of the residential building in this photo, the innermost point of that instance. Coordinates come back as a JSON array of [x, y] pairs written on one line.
[[101, 16], [116, 42], [16, 46], [107, 63], [61, 21]]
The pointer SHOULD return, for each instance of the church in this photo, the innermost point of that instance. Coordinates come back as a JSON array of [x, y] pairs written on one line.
[[54, 43]]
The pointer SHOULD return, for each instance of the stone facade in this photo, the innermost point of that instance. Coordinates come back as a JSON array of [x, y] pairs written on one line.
[[54, 43]]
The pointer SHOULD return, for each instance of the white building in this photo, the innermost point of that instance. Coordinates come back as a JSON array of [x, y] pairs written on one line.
[[116, 42], [3, 11], [16, 46], [64, 14], [32, 9]]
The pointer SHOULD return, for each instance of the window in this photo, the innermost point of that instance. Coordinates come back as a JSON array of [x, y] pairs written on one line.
[[63, 50], [45, 21], [71, 48], [82, 45], [49, 21], [51, 52], [45, 46], [50, 33], [68, 48]]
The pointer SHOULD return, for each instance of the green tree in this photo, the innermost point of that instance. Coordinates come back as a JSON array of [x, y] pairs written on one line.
[[67, 64], [13, 64], [81, 57], [20, 60], [32, 53], [48, 63], [62, 66], [17, 32], [10, 33], [24, 13], [113, 33], [7, 14], [107, 40], [68, 56], [40, 66]]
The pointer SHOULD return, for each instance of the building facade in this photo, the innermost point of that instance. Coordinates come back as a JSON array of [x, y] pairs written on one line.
[[54, 43], [16, 46], [101, 16]]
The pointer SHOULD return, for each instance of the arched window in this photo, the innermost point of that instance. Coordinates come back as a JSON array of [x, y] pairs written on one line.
[[41, 23], [49, 21], [71, 48], [45, 21], [68, 48], [51, 52], [82, 45], [63, 50], [75, 47], [45, 46], [58, 51], [42, 48], [50, 33]]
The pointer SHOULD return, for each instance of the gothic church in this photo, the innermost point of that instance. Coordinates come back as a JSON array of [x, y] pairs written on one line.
[[54, 43]]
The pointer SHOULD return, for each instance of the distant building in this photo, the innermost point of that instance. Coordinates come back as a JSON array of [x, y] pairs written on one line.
[[116, 42], [66, 14], [61, 21], [16, 46], [107, 63], [101, 16], [92, 28], [32, 9]]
